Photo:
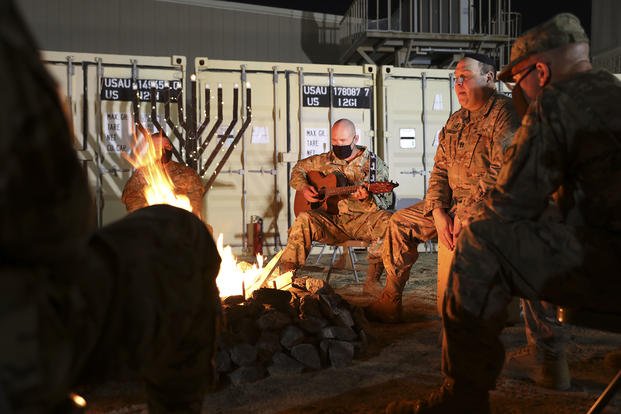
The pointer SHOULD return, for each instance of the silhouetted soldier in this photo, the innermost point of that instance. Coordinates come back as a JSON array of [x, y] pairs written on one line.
[[76, 303]]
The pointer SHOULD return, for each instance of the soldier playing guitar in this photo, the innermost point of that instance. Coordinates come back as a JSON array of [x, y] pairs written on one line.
[[360, 216], [333, 187]]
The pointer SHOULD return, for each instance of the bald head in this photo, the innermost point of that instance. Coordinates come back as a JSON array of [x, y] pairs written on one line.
[[344, 139], [345, 125], [344, 132]]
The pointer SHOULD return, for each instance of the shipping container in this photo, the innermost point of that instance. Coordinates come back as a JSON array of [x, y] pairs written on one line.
[[292, 107], [413, 106], [98, 90]]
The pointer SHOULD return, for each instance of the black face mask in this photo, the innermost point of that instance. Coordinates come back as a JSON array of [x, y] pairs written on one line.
[[342, 151], [519, 101]]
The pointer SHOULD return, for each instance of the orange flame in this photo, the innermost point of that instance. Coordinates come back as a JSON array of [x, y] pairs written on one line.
[[235, 278], [146, 155]]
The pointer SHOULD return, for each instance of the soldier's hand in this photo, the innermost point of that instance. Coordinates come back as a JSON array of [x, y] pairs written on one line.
[[361, 194], [311, 194], [444, 227], [457, 226]]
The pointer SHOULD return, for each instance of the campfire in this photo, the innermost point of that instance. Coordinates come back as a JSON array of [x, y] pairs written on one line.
[[236, 278], [241, 278], [277, 325]]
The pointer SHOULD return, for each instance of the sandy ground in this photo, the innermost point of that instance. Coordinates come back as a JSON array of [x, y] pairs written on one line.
[[402, 362]]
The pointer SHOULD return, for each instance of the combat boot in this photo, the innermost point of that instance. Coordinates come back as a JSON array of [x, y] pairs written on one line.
[[449, 399], [372, 285], [388, 308], [545, 369]]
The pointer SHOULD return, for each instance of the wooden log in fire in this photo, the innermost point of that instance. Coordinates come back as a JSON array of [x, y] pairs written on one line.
[[264, 276]]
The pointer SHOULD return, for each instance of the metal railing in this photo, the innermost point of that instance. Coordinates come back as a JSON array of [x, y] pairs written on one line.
[[492, 17]]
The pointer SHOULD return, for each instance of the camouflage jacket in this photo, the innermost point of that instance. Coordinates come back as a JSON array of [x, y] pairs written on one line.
[[469, 156], [569, 145], [356, 171], [185, 179]]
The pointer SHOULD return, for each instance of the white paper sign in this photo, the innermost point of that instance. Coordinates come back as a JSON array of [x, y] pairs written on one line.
[[316, 141], [260, 135], [118, 133], [438, 105], [407, 138]]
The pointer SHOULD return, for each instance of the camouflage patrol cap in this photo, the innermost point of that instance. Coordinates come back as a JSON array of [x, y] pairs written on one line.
[[561, 30]]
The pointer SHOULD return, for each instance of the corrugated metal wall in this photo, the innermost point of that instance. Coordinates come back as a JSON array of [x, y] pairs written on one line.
[[202, 28]]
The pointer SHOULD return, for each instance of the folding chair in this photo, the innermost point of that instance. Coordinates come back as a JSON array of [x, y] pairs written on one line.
[[350, 245]]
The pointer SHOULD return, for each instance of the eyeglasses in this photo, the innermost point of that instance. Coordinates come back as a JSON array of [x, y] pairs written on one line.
[[460, 80], [525, 72]]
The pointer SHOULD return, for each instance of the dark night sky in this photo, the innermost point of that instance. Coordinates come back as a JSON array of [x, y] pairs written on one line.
[[533, 11]]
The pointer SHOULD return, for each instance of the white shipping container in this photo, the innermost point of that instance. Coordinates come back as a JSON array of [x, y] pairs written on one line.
[[98, 90], [414, 105], [293, 107]]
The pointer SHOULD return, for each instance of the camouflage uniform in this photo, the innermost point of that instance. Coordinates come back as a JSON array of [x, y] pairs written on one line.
[[76, 305], [356, 220], [467, 161], [569, 143], [185, 179]]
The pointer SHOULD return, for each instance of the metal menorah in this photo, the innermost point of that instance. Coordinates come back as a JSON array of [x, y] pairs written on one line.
[[193, 142]]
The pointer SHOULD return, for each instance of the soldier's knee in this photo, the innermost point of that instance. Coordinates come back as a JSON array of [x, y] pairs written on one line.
[[398, 216], [386, 215], [303, 221]]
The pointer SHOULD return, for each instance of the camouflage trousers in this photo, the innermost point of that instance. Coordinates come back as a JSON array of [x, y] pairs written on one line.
[[406, 229], [140, 293], [495, 261], [317, 225], [543, 331]]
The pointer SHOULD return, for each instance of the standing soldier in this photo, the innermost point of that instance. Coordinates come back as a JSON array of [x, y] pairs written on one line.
[[362, 216], [569, 145], [467, 161]]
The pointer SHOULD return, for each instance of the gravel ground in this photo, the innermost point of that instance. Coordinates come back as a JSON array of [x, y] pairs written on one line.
[[401, 362]]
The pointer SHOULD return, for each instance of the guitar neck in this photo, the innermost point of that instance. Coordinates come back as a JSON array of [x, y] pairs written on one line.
[[340, 190]]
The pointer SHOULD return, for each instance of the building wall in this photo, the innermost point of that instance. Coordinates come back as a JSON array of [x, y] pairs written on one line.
[[211, 28], [605, 28]]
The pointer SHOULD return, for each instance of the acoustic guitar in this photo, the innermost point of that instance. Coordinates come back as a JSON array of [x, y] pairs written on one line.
[[331, 188]]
